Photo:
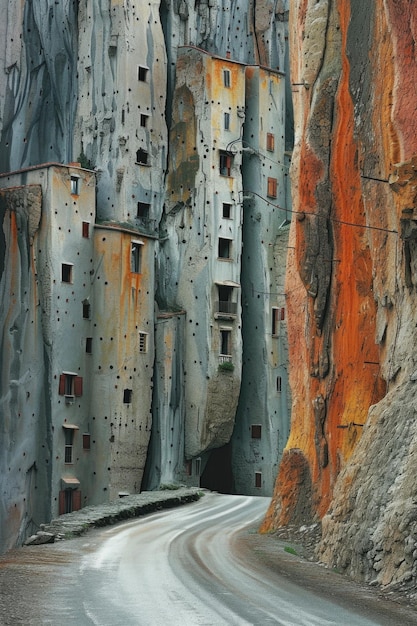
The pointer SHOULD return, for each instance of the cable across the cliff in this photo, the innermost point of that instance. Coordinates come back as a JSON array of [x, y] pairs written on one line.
[[331, 219]]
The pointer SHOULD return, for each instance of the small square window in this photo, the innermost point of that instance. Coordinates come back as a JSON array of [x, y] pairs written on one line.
[[144, 120], [256, 431], [89, 345], [135, 257], [272, 188], [226, 78], [227, 121], [270, 142], [227, 210], [143, 210], [86, 441], [75, 185], [66, 272], [143, 342], [142, 73], [86, 229], [127, 396], [142, 157]]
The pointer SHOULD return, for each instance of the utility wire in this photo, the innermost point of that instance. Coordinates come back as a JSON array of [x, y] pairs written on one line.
[[331, 219]]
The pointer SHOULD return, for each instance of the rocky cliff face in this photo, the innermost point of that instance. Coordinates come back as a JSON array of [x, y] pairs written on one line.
[[352, 287]]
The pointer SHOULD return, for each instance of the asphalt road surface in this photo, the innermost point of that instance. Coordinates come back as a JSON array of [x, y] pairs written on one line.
[[199, 564]]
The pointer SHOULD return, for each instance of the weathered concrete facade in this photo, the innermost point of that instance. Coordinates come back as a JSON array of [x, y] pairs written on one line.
[[262, 418], [99, 82], [81, 414]]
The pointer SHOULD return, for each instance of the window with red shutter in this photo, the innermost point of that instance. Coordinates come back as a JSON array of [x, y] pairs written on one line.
[[76, 500], [62, 379], [272, 188], [78, 386]]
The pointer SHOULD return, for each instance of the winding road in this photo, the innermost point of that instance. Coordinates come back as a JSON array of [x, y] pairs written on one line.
[[199, 564]]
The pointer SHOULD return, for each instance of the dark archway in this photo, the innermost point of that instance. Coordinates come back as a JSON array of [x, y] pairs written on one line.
[[217, 474]]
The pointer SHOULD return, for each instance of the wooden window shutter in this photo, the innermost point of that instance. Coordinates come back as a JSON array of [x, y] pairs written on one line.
[[61, 390], [78, 386], [76, 500], [61, 509], [272, 187], [282, 314]]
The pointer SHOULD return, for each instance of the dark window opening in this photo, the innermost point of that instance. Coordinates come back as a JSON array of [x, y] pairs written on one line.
[[86, 310], [143, 210], [225, 304], [89, 345], [142, 157], [278, 315], [258, 480], [279, 384], [225, 342], [127, 396], [142, 73], [225, 163], [69, 440], [226, 78], [136, 258], [86, 229], [86, 441], [224, 248], [256, 431], [227, 121], [66, 273], [143, 120], [227, 210], [75, 185]]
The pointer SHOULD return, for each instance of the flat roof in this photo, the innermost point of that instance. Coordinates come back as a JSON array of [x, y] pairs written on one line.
[[230, 60], [42, 166]]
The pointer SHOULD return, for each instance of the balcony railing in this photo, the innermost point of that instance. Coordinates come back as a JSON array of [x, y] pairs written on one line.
[[225, 306], [225, 358]]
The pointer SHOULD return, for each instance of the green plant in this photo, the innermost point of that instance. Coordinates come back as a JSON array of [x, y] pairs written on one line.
[[290, 550], [226, 366], [84, 162]]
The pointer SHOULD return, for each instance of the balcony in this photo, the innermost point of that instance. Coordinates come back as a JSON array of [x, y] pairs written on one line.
[[226, 306]]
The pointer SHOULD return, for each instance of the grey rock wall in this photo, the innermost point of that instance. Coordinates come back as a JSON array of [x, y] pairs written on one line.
[[24, 388]]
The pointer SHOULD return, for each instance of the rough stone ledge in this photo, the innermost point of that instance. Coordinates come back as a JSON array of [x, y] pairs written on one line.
[[79, 522]]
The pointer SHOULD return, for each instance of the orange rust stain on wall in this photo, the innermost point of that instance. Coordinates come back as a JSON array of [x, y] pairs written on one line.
[[308, 471]]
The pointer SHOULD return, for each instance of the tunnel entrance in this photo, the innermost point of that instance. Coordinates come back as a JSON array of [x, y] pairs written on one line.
[[217, 474]]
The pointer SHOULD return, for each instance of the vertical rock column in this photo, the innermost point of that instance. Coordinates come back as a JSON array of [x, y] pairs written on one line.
[[331, 309]]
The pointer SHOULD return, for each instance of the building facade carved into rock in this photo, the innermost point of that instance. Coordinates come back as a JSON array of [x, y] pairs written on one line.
[[141, 144]]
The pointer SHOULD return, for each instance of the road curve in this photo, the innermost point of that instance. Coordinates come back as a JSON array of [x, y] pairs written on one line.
[[182, 568], [199, 564]]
